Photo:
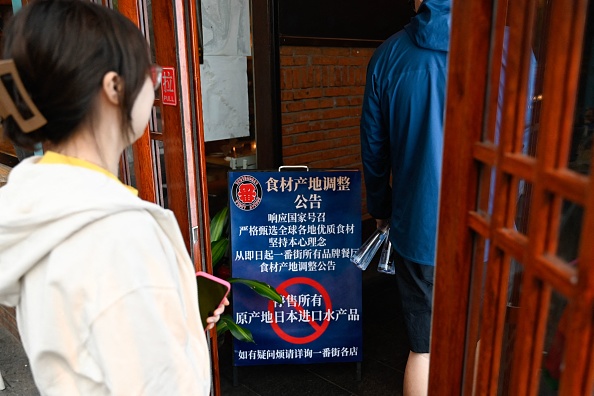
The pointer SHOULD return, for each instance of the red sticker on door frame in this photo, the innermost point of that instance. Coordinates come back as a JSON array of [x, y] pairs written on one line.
[[168, 87]]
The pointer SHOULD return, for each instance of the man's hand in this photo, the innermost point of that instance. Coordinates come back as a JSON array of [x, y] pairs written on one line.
[[381, 223]]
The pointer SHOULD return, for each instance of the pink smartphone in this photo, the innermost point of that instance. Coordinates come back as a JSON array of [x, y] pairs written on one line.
[[211, 292]]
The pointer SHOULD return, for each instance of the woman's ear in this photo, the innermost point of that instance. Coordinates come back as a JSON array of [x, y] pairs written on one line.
[[112, 87]]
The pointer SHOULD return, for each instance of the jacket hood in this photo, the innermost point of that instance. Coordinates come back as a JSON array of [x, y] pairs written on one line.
[[430, 28], [43, 205]]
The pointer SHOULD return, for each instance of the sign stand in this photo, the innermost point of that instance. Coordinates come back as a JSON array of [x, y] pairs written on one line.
[[296, 231]]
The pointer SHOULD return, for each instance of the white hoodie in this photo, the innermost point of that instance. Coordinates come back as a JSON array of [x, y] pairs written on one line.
[[104, 289]]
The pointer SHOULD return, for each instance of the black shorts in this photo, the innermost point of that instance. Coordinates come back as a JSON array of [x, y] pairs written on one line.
[[415, 285]]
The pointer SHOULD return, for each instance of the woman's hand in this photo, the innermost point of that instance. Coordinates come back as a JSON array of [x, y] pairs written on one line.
[[216, 315]]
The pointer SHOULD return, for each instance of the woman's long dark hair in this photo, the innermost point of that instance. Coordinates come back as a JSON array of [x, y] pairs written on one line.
[[62, 49]]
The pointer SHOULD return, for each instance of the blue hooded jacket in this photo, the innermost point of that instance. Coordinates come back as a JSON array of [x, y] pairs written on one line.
[[402, 130]]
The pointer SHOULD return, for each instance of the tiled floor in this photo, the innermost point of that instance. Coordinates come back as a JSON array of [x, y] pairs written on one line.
[[14, 367], [385, 349]]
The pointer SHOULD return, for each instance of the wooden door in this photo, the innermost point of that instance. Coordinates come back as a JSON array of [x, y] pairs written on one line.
[[167, 164], [514, 291]]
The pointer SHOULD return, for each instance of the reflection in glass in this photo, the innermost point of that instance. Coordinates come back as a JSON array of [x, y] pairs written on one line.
[[570, 228], [580, 153], [552, 360], [495, 118], [484, 204], [148, 23], [552, 363], [156, 121], [522, 206], [512, 315], [127, 166], [159, 172], [539, 49], [528, 143], [477, 294]]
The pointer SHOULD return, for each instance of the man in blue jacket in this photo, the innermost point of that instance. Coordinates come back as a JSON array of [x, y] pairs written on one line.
[[401, 147]]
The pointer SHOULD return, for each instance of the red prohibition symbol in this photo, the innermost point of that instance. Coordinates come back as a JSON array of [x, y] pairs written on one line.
[[317, 328]]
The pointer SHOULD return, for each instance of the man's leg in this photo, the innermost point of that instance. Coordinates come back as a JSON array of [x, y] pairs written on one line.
[[416, 375], [415, 286]]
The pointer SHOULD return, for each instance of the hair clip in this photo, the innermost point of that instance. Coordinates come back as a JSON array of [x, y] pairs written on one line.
[[9, 108]]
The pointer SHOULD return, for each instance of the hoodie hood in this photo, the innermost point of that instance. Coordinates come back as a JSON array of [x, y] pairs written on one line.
[[430, 28], [42, 205]]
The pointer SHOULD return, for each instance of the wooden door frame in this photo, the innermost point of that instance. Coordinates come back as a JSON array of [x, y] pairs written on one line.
[[267, 83], [184, 151], [176, 44], [182, 125], [469, 114], [470, 39], [143, 158]]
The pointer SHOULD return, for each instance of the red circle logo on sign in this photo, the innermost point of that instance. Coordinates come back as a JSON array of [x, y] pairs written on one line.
[[317, 328], [246, 192]]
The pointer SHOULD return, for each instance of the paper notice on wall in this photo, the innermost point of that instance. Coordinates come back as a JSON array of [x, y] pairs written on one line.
[[226, 27], [224, 97]]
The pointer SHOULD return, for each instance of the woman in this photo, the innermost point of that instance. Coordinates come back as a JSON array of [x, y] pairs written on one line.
[[104, 289]]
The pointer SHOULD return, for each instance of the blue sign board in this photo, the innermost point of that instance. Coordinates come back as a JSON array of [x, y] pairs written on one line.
[[296, 231]]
